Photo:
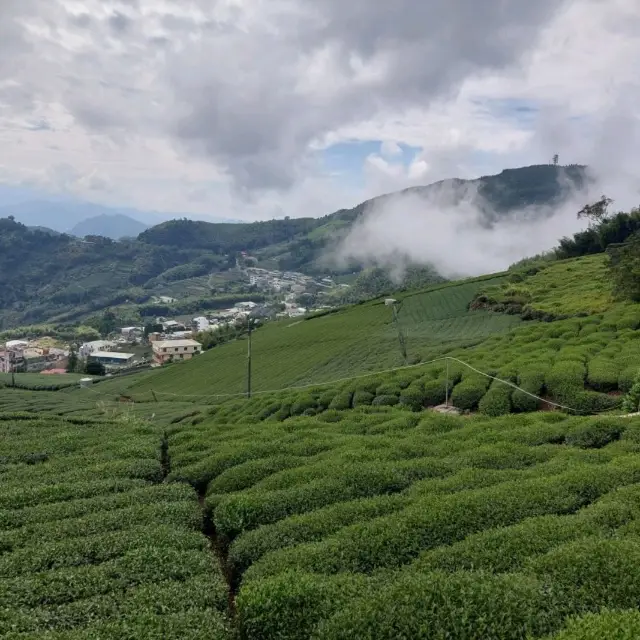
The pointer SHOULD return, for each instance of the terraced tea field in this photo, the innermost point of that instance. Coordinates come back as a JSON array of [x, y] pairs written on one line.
[[94, 543], [384, 524]]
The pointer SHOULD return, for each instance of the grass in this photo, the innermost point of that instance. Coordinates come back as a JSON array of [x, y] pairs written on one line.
[[33, 380]]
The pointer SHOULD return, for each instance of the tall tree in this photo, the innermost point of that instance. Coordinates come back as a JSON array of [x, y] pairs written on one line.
[[72, 362], [596, 212]]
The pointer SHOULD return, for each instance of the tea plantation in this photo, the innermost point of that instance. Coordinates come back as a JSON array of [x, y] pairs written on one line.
[[154, 507], [93, 542], [385, 524]]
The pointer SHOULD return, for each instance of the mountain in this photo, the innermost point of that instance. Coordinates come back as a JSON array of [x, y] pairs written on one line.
[[63, 215], [114, 226], [63, 279]]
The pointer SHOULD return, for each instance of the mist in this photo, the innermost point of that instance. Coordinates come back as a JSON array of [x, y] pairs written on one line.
[[455, 232]]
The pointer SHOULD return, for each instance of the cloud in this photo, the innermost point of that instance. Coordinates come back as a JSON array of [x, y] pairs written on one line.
[[235, 100], [450, 230]]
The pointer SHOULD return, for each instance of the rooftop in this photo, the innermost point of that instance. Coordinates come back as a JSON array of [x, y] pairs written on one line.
[[162, 344], [112, 354]]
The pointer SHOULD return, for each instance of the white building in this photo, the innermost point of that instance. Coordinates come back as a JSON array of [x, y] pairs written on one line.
[[175, 350], [201, 323], [246, 305], [96, 345], [17, 344]]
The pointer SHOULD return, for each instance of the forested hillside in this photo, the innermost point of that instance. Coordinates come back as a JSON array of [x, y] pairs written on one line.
[[45, 277]]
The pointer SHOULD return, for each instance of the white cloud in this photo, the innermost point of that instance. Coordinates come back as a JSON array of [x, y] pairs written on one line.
[[217, 107]]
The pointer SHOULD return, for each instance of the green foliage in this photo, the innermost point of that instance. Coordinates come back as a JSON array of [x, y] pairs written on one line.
[[617, 625], [631, 402], [302, 404], [362, 398], [603, 374], [467, 394], [94, 368], [459, 606], [497, 401], [385, 401], [530, 381], [595, 433], [341, 401], [91, 541]]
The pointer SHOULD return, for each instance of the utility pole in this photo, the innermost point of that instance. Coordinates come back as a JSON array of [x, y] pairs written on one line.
[[446, 388], [249, 325], [390, 302]]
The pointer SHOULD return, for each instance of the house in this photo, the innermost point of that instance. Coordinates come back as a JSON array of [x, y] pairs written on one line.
[[246, 306], [175, 350], [112, 358], [170, 326], [97, 345], [131, 333]]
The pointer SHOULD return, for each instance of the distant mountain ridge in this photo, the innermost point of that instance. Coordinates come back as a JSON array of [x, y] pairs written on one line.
[[114, 226], [63, 215]]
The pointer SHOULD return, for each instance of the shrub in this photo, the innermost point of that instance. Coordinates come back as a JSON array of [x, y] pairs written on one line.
[[291, 605], [368, 384], [531, 381], [497, 401], [385, 401], [631, 402], [435, 520], [565, 380], [413, 397], [302, 404], [283, 412], [248, 473], [247, 510], [307, 527], [467, 394], [459, 606], [603, 374], [593, 402], [592, 573], [325, 399], [341, 401], [627, 377], [506, 548], [435, 392], [362, 398], [595, 433], [616, 625], [388, 389]]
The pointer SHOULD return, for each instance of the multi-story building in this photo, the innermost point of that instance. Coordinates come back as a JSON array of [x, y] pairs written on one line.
[[175, 350]]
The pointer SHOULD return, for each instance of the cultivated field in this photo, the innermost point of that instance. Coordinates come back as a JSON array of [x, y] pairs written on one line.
[[93, 542], [146, 507], [384, 524]]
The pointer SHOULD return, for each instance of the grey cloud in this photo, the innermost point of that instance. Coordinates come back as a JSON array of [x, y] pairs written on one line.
[[119, 22], [238, 93], [230, 86]]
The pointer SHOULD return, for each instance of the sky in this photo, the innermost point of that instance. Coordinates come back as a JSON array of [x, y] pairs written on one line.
[[254, 109]]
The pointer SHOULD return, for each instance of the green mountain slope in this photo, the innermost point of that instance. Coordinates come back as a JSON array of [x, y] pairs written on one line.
[[583, 356], [57, 278]]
